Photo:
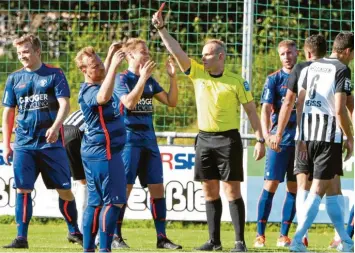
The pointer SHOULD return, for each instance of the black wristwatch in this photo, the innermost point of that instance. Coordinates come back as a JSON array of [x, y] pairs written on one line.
[[261, 140]]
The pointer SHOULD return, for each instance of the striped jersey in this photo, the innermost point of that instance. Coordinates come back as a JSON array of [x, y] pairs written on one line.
[[274, 92], [139, 120], [105, 132], [323, 79], [76, 119], [35, 95]]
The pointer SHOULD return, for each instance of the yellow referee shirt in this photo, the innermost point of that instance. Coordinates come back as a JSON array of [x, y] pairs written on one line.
[[217, 98]]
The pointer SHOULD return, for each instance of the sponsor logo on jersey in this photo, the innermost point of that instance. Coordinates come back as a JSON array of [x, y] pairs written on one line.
[[43, 82], [320, 69], [33, 102], [144, 105], [314, 103]]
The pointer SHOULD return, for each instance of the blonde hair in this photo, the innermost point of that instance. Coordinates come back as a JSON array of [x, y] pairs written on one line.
[[86, 51], [222, 47], [287, 43], [35, 41], [131, 44]]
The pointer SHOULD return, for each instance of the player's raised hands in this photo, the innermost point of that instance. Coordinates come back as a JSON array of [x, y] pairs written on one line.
[[146, 70], [170, 66], [349, 147], [157, 19], [114, 48], [118, 58]]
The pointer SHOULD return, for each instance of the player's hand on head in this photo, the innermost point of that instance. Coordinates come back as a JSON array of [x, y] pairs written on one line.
[[170, 66], [7, 154], [348, 146], [118, 58], [52, 135], [146, 70], [115, 46], [259, 151], [302, 150]]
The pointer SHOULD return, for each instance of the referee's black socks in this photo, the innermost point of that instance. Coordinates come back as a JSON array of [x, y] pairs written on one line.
[[237, 212], [214, 215]]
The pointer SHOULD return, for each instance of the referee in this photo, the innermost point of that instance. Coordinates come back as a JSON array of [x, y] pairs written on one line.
[[74, 127], [219, 150]]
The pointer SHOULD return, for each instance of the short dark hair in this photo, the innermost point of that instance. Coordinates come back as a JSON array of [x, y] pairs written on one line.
[[343, 41], [316, 44]]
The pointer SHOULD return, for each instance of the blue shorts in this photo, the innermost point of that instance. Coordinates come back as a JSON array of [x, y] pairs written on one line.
[[145, 162], [278, 165], [106, 181], [52, 163]]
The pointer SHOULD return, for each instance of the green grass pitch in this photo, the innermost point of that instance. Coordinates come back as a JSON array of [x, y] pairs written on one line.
[[52, 238]]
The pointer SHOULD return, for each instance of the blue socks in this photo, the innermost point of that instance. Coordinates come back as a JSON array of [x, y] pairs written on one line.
[[264, 208], [23, 214], [118, 231], [336, 216], [288, 212], [158, 210], [311, 208], [350, 227], [70, 214], [90, 227], [108, 218]]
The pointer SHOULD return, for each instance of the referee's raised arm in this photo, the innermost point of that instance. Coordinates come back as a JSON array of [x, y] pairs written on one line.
[[170, 43]]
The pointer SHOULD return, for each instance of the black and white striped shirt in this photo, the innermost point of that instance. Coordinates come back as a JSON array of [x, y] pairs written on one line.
[[76, 119], [323, 79]]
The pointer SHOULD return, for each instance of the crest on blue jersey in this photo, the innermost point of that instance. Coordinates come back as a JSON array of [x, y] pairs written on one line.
[[246, 86], [151, 88], [43, 82]]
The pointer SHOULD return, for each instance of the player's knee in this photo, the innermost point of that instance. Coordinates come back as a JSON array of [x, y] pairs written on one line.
[[156, 190], [292, 187], [82, 181], [65, 194], [23, 190], [271, 185], [118, 205], [211, 190]]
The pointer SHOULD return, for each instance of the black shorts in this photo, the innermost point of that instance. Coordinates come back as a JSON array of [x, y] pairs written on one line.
[[219, 156], [72, 141], [302, 166], [324, 160]]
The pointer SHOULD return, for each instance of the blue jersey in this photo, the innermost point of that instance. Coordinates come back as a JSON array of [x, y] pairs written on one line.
[[35, 95], [274, 92], [139, 121], [105, 133]]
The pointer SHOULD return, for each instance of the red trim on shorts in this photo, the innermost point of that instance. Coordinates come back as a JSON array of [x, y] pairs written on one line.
[[107, 135], [104, 218], [24, 216], [66, 210]]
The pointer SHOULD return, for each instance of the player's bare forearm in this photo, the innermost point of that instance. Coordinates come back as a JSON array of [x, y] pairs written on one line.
[[8, 119], [131, 99], [63, 111], [350, 104], [175, 49], [106, 89], [250, 109], [342, 115], [173, 92], [285, 112], [265, 118]]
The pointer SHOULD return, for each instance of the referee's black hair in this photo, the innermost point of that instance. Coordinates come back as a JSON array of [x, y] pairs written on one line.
[[343, 41]]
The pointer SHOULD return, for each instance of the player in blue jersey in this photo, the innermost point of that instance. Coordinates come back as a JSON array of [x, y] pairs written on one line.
[[101, 148], [278, 164], [136, 89], [41, 95]]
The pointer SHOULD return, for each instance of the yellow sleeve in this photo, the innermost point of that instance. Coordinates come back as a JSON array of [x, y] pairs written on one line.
[[243, 93], [196, 70]]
